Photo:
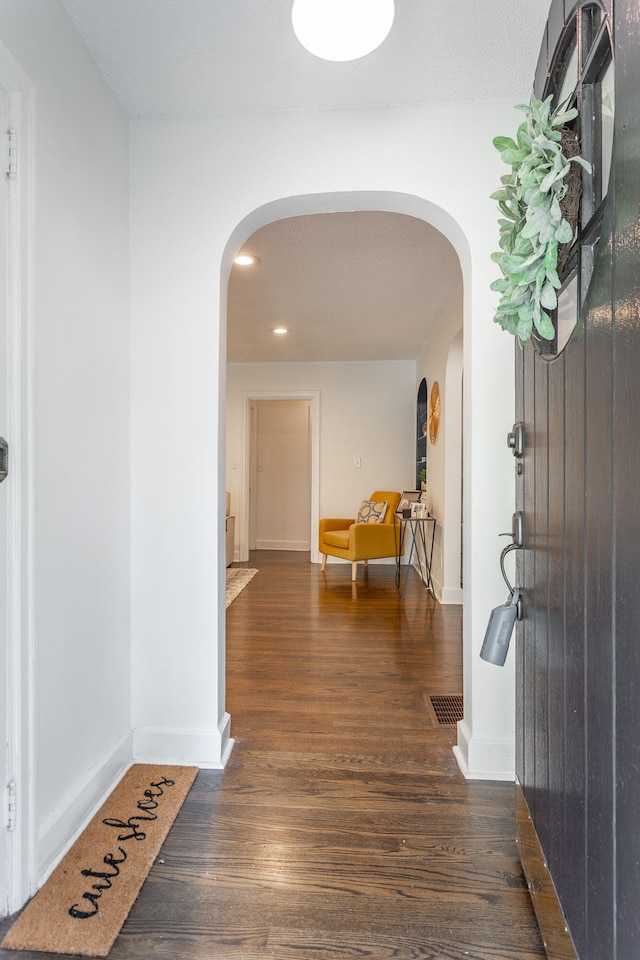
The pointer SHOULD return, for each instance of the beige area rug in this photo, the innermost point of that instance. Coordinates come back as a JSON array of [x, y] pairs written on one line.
[[87, 898], [237, 579]]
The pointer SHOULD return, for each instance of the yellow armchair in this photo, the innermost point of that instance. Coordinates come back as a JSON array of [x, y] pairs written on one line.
[[339, 537]]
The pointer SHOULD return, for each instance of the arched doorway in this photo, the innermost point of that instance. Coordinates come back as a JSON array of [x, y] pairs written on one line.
[[451, 357], [355, 287]]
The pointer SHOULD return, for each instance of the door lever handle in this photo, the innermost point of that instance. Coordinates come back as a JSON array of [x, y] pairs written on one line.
[[517, 529], [517, 543]]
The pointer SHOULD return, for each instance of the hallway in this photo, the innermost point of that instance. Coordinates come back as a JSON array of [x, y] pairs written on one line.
[[341, 826]]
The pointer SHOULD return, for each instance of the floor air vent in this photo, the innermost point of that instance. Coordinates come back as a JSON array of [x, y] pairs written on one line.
[[447, 710]]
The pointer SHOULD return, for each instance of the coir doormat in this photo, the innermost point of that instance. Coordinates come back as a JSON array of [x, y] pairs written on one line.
[[87, 898]]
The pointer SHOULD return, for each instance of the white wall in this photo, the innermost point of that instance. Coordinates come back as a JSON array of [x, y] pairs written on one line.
[[78, 285], [199, 188], [442, 487], [366, 411]]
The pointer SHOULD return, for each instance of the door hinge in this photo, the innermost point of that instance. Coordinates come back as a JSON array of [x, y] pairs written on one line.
[[11, 160], [4, 459], [12, 809]]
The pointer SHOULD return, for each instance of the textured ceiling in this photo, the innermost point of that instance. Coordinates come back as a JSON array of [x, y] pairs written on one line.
[[193, 57], [367, 284], [350, 286]]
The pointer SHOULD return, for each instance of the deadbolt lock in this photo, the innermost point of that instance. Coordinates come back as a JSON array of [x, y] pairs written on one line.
[[515, 440]]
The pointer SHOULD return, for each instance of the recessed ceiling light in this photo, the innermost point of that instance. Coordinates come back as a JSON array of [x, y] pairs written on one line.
[[342, 29], [280, 330], [245, 260]]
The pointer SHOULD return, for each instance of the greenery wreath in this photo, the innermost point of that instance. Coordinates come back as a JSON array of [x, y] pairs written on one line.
[[532, 226]]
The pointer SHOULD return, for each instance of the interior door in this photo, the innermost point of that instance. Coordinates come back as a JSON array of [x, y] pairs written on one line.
[[283, 475]]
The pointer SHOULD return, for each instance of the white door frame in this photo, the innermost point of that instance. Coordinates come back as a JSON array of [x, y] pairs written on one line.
[[18, 846], [243, 519]]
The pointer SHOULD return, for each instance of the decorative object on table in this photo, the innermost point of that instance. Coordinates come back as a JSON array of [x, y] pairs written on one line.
[[434, 412], [237, 579], [535, 222], [349, 540], [407, 499]]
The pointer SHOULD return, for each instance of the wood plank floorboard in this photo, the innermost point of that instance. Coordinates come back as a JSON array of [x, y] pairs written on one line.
[[341, 827]]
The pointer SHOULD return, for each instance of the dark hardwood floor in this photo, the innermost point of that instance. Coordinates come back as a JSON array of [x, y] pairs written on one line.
[[341, 827]]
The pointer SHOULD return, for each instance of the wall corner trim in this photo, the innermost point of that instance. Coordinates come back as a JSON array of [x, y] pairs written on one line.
[[207, 749], [453, 595], [484, 759]]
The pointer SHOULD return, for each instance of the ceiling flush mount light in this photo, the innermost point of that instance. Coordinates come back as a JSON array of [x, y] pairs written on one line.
[[245, 260], [342, 29], [280, 331]]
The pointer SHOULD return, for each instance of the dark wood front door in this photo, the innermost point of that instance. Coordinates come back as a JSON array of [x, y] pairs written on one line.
[[578, 647]]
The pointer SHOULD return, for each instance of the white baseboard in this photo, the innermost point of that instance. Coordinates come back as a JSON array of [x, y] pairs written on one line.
[[208, 749], [301, 545], [451, 595], [485, 759], [66, 822]]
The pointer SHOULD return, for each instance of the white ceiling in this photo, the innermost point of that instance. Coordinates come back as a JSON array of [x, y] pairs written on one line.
[[353, 286], [350, 286], [199, 57]]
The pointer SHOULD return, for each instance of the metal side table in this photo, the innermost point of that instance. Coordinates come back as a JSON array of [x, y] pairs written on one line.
[[422, 530]]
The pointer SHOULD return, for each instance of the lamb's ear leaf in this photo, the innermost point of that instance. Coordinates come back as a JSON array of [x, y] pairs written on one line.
[[549, 180], [583, 163], [564, 233], [514, 157], [544, 325], [548, 298], [553, 279], [551, 255], [560, 119], [504, 143], [525, 323]]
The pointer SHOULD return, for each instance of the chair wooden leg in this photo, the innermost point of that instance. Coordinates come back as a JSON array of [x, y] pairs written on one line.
[[324, 561], [354, 569]]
